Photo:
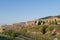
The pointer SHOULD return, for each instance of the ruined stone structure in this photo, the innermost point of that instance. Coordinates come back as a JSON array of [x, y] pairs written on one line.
[[30, 23], [48, 21], [51, 20]]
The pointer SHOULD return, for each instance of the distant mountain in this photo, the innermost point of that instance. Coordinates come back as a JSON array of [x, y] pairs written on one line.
[[21, 23], [50, 16], [46, 17], [58, 16]]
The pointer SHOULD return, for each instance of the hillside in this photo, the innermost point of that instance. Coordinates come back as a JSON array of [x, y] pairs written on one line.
[[34, 30]]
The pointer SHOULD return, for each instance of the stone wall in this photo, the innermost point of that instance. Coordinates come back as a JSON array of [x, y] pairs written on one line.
[[30, 23]]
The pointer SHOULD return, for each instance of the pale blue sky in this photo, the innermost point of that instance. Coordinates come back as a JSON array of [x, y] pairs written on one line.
[[13, 11]]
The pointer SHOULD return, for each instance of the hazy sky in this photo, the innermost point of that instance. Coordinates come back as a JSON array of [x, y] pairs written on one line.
[[12, 11]]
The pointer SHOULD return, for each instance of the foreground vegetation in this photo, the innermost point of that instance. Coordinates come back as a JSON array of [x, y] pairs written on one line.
[[36, 32]]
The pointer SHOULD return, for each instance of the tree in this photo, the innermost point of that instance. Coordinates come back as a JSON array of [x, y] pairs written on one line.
[[55, 21], [39, 22], [44, 29], [10, 33]]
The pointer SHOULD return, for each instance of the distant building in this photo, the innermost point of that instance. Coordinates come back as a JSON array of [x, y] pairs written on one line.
[[52, 20], [47, 21], [30, 23]]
